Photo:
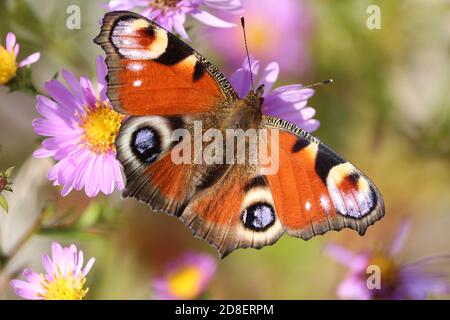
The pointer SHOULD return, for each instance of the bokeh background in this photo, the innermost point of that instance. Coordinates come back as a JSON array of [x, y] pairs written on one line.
[[388, 112]]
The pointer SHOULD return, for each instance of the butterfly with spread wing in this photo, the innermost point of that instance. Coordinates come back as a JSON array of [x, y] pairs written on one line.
[[163, 85]]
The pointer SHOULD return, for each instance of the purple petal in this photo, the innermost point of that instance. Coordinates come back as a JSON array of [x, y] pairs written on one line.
[[234, 6], [88, 91], [79, 264], [354, 288], [241, 80], [83, 160], [30, 59], [211, 20], [270, 76], [292, 93], [340, 254], [62, 141], [417, 283], [60, 113], [31, 276], [10, 41], [27, 290], [88, 266], [43, 153], [62, 150], [121, 5], [117, 171], [66, 175], [74, 86], [400, 237], [66, 189], [48, 108], [48, 266], [289, 111], [151, 14], [92, 183], [178, 24], [45, 127], [165, 21], [16, 49], [105, 179], [57, 253], [63, 96], [53, 172], [59, 126], [102, 70], [309, 125]]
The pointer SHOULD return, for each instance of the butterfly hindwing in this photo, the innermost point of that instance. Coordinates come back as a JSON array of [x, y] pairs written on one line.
[[144, 147], [237, 212], [151, 71]]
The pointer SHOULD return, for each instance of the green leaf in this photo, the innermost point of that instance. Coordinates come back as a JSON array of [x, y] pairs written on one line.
[[22, 82], [4, 203], [8, 172]]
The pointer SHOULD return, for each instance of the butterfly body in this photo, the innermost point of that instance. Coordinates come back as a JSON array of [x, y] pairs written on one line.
[[246, 113], [180, 107]]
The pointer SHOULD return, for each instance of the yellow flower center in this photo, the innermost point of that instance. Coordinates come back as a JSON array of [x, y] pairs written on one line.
[[388, 269], [8, 65], [67, 288], [101, 126], [260, 36], [185, 283], [164, 4]]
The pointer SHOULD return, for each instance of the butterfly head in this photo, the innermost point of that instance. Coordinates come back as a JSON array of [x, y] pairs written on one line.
[[255, 98]]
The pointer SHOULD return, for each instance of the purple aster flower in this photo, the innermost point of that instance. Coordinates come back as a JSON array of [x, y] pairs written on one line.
[[415, 280], [186, 278], [171, 14], [286, 102], [82, 128], [276, 31], [8, 59], [65, 277]]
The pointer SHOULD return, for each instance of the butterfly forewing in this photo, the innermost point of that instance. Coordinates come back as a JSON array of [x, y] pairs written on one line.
[[326, 192], [152, 72]]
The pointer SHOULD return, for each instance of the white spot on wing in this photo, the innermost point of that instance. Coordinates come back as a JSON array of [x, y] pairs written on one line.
[[137, 83], [135, 66], [356, 202], [308, 205], [122, 37], [325, 203]]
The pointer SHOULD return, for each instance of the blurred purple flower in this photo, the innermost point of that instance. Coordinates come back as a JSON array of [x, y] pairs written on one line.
[[8, 59], [276, 31], [186, 278], [171, 14], [397, 281], [286, 102], [65, 276], [82, 128]]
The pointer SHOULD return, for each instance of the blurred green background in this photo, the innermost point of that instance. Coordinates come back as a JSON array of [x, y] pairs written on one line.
[[388, 112]]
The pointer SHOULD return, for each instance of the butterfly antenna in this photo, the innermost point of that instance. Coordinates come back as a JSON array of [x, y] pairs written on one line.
[[319, 83], [299, 87], [248, 54]]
